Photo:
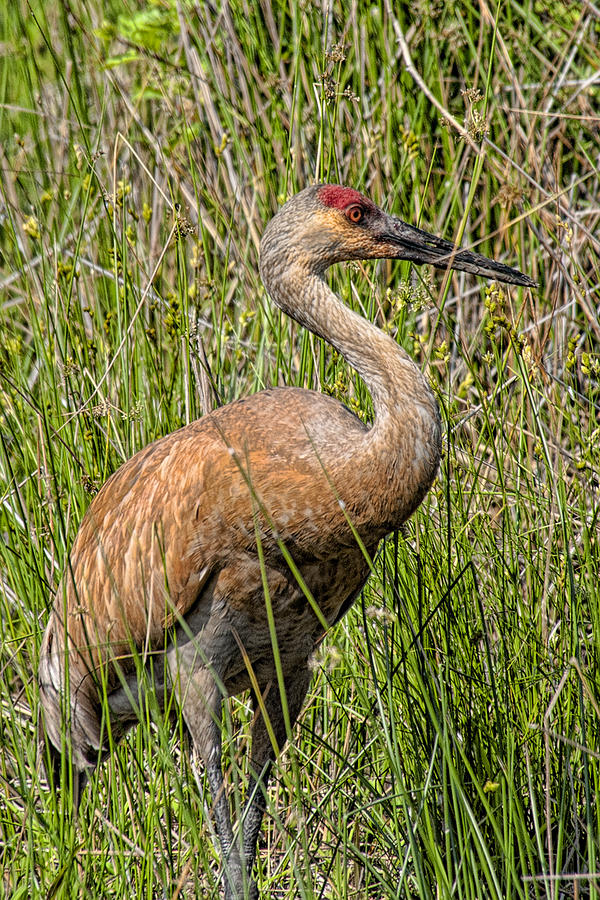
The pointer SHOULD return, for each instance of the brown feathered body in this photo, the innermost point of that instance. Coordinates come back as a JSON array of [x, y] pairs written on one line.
[[284, 465], [275, 503]]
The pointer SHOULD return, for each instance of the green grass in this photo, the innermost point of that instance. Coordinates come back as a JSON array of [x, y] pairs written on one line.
[[450, 742]]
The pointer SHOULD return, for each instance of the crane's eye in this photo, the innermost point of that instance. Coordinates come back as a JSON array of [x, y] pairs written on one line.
[[355, 213]]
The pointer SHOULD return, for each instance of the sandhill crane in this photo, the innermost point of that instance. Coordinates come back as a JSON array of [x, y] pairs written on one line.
[[249, 526]]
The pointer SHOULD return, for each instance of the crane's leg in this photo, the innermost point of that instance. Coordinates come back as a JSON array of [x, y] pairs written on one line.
[[200, 700], [232, 865], [263, 754]]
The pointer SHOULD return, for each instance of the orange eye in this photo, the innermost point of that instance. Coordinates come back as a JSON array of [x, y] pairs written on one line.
[[355, 214]]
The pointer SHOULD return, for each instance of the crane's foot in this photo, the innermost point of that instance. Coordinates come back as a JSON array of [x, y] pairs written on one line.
[[234, 894], [234, 887], [234, 882]]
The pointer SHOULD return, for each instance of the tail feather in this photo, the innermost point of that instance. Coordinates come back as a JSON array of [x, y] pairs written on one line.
[[52, 761], [71, 719]]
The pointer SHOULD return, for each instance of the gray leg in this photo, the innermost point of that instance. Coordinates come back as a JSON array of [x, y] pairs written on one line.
[[201, 699], [232, 866], [263, 754]]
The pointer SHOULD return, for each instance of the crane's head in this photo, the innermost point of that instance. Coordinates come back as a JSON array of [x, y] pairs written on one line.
[[327, 223]]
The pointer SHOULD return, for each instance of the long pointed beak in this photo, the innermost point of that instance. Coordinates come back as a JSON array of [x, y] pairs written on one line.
[[421, 247]]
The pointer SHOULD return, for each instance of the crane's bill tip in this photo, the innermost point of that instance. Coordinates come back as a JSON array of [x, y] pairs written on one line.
[[513, 276]]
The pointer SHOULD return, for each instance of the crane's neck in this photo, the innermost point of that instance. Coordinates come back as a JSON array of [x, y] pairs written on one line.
[[407, 425]]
